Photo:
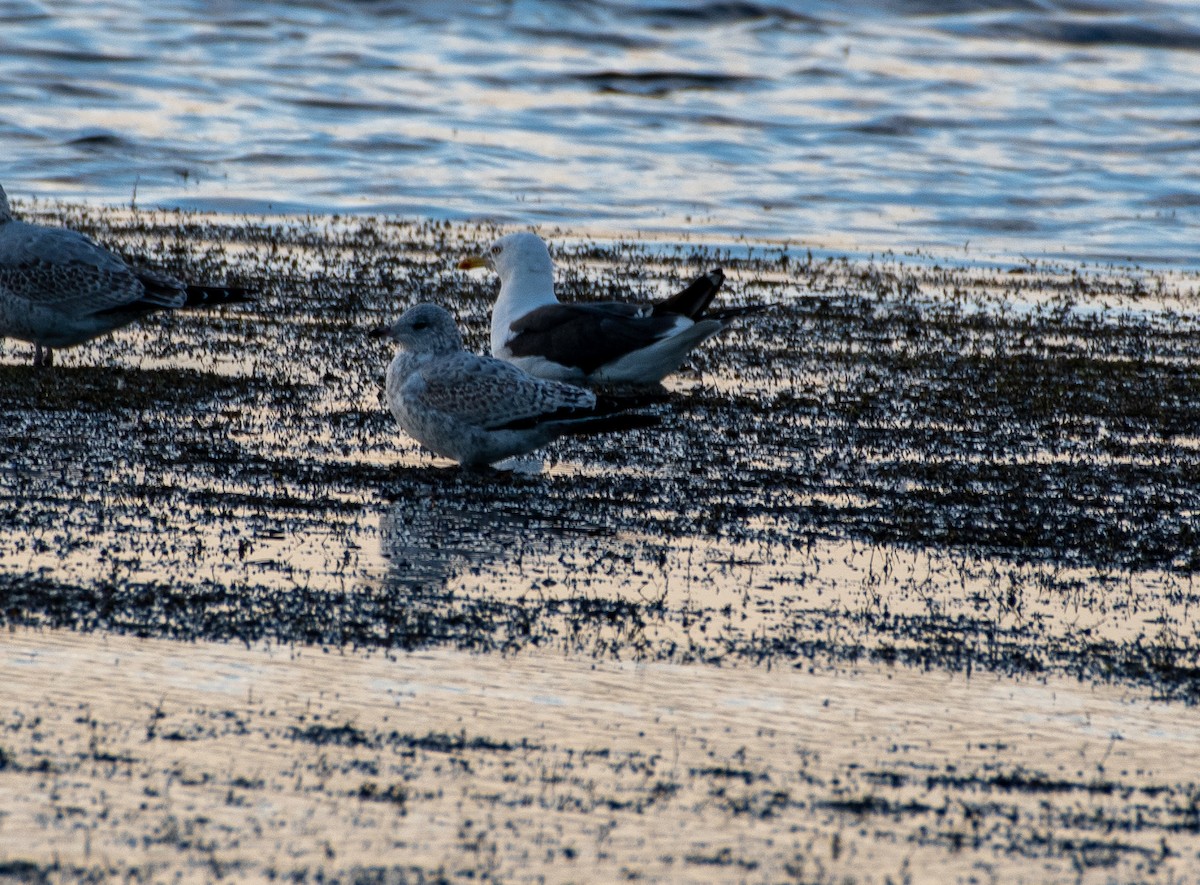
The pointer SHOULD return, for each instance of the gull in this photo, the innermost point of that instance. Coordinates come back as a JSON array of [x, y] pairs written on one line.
[[59, 288], [611, 342], [478, 410]]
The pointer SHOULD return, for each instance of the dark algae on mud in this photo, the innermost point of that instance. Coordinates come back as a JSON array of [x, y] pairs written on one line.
[[966, 467]]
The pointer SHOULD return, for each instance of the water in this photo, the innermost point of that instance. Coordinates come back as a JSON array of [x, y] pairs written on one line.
[[194, 762], [963, 127]]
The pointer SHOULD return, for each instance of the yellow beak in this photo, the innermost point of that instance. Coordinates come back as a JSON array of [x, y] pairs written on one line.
[[472, 261]]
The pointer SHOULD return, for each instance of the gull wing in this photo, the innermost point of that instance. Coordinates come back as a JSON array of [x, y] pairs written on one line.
[[588, 336], [491, 394], [67, 271]]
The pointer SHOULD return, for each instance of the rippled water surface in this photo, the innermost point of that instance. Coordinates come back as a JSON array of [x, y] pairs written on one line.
[[962, 126], [207, 762]]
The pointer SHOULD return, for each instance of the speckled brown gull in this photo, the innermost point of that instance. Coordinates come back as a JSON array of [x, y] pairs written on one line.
[[609, 342], [478, 410], [59, 288]]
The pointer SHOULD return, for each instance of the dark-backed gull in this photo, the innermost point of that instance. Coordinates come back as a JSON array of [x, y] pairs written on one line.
[[612, 342]]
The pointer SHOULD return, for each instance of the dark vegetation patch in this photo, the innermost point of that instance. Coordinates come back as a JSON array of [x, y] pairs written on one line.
[[24, 871], [348, 735]]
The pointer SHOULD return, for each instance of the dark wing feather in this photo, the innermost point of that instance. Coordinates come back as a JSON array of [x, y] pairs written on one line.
[[209, 296], [585, 336], [695, 299], [564, 413]]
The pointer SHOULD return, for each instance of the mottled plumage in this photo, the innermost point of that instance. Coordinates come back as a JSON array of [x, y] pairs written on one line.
[[59, 288], [479, 410], [604, 342]]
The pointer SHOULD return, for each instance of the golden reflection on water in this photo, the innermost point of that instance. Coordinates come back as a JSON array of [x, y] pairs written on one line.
[[201, 758]]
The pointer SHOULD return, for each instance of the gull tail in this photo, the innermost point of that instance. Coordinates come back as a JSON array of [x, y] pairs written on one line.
[[618, 422], [621, 400], [728, 313], [566, 418], [210, 296], [613, 413], [695, 299]]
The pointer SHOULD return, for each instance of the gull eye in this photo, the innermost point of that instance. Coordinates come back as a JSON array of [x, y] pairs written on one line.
[[419, 325], [497, 249]]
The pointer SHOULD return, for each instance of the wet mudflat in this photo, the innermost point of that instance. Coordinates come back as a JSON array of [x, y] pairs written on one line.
[[968, 489]]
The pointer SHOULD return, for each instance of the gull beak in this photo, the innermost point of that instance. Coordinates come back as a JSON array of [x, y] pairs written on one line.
[[472, 261], [380, 332]]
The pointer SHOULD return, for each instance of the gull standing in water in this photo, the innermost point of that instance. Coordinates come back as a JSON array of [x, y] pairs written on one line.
[[611, 342], [59, 288], [478, 410]]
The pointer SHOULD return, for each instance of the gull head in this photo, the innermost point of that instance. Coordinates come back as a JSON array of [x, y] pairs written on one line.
[[5, 211], [520, 253], [425, 328]]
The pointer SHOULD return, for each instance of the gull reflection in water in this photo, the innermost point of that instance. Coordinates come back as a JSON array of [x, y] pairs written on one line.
[[429, 541]]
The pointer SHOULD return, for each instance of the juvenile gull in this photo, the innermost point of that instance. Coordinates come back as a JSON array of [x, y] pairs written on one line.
[[612, 342], [476, 409], [59, 288]]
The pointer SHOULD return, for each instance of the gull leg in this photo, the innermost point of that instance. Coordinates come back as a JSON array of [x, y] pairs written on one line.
[[42, 356]]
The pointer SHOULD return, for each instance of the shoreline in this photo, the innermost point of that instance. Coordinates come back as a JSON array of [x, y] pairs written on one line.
[[742, 246]]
